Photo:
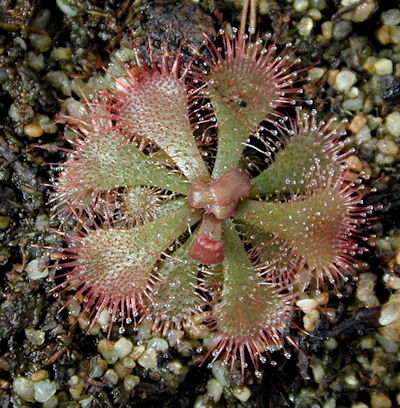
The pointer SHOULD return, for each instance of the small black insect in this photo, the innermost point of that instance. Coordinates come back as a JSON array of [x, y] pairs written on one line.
[[241, 103]]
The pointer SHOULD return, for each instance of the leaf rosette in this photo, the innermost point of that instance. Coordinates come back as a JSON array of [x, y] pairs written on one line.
[[188, 225]]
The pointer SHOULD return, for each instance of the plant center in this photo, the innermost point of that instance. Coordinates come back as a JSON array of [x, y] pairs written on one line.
[[218, 199]]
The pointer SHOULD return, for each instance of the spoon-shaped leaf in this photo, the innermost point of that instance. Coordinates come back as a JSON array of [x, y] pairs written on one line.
[[251, 314], [317, 226], [154, 106], [113, 268], [309, 158]]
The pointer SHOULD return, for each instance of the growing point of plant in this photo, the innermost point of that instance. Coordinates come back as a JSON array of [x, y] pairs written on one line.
[[179, 226]]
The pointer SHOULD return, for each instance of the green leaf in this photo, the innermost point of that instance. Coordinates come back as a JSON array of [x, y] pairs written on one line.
[[105, 161], [244, 89], [143, 204], [312, 225], [120, 262], [175, 297], [155, 107], [251, 312], [308, 159]]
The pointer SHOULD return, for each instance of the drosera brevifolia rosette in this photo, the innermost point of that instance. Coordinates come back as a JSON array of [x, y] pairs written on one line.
[[197, 197]]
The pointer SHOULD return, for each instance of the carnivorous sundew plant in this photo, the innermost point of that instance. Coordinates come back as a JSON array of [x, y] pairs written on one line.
[[198, 199]]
